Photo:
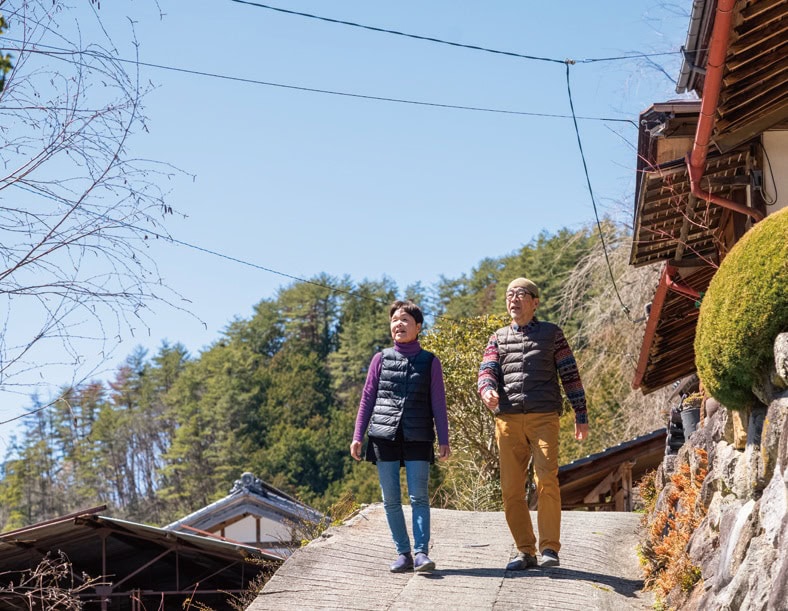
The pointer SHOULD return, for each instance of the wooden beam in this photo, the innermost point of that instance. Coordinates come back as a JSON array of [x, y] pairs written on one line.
[[602, 488]]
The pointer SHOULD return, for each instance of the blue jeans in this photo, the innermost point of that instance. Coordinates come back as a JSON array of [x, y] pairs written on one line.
[[417, 473]]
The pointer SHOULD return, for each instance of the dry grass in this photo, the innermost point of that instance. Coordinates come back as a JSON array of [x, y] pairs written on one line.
[[667, 566], [50, 585]]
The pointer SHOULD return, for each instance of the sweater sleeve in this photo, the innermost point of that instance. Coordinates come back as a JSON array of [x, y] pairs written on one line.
[[570, 378], [438, 397], [368, 396], [490, 369]]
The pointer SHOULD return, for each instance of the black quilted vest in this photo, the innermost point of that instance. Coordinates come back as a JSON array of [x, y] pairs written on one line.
[[403, 397], [530, 377]]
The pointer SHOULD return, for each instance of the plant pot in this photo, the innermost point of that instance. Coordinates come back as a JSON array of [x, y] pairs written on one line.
[[690, 417]]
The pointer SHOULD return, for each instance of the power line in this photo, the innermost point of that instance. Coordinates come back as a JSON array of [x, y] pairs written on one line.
[[591, 193], [215, 253], [397, 33], [446, 42], [311, 89]]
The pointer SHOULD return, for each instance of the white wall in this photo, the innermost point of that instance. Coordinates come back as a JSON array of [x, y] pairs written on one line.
[[245, 530], [775, 142]]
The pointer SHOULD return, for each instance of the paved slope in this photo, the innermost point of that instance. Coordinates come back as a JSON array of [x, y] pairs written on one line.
[[347, 568]]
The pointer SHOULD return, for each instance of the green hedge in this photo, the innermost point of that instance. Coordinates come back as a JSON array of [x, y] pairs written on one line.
[[743, 311]]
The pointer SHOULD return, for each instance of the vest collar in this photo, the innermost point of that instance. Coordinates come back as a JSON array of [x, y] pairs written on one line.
[[528, 327]]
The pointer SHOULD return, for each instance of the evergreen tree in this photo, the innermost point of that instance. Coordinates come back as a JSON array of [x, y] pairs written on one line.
[[215, 401], [277, 393]]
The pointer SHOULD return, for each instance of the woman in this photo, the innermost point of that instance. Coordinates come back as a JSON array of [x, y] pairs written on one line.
[[402, 403]]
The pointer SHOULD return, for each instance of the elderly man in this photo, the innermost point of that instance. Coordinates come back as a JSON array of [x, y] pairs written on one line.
[[518, 382]]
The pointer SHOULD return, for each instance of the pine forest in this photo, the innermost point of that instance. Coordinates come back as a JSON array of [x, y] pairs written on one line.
[[277, 393]]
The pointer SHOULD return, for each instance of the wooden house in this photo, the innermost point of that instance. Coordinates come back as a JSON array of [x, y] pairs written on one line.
[[253, 513], [709, 169]]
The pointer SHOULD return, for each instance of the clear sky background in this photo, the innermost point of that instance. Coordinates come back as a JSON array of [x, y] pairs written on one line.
[[303, 183]]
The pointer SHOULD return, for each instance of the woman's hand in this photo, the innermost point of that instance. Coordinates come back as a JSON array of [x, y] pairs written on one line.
[[444, 452], [355, 450]]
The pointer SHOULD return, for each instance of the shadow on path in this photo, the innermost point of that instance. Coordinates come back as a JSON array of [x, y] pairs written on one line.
[[625, 587]]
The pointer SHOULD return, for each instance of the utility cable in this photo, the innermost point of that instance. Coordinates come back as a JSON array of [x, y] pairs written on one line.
[[768, 200], [446, 42], [209, 251], [312, 89], [591, 193], [397, 33]]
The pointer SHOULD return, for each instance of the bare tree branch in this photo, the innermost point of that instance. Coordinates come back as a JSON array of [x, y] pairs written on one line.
[[76, 209]]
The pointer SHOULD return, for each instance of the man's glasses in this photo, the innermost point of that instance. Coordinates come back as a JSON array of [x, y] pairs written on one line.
[[519, 294]]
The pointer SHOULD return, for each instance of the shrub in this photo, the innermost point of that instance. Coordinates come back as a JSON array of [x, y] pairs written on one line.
[[470, 480], [743, 311]]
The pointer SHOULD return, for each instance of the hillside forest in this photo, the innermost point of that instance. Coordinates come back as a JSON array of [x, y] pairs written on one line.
[[276, 393]]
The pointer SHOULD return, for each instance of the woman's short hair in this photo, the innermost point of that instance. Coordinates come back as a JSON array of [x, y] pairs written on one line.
[[410, 307]]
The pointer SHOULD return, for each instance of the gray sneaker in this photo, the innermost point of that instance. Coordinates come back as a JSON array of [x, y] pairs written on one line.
[[549, 558], [521, 562]]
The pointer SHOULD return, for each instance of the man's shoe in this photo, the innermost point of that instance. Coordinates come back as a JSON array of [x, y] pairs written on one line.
[[549, 558], [521, 562], [402, 564], [423, 562]]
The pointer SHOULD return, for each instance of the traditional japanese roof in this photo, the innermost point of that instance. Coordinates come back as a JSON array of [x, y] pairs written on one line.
[[673, 225], [249, 496], [671, 325], [754, 94], [675, 228], [581, 476]]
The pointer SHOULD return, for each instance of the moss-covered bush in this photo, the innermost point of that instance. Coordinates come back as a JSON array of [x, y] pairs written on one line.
[[743, 311]]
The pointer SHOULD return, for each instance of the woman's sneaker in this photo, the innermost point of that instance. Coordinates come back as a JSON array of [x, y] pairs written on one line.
[[402, 564], [423, 562]]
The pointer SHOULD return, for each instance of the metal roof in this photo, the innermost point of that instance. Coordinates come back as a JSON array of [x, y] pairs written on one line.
[[131, 559]]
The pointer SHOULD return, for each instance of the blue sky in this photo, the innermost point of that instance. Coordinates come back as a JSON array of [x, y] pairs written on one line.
[[304, 183]]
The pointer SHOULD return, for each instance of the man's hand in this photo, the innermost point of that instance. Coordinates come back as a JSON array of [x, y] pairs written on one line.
[[490, 399], [355, 450], [444, 452], [581, 431]]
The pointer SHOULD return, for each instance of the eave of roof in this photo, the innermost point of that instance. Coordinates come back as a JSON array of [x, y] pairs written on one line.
[[74, 527], [239, 502], [129, 557], [673, 225], [694, 49], [185, 540], [668, 351], [754, 93], [580, 476]]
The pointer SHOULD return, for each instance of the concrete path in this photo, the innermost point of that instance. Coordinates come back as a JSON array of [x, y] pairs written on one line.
[[347, 568]]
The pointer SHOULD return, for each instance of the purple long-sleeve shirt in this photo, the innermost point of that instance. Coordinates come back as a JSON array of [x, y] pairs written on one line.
[[437, 394]]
